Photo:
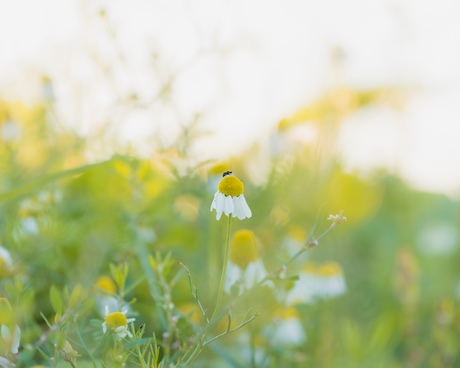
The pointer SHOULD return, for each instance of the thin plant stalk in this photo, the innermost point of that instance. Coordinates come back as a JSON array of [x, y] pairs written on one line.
[[224, 268], [201, 341]]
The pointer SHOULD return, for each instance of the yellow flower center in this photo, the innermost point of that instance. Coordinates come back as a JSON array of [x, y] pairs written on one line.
[[231, 186], [106, 283], [115, 320], [219, 168], [330, 269], [243, 249]]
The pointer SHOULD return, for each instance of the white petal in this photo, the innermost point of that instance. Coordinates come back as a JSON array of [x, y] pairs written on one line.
[[232, 276], [5, 255], [106, 310], [220, 202], [254, 273], [121, 335], [228, 207], [290, 333], [104, 328], [239, 212], [16, 338], [5, 363], [213, 204], [246, 208], [6, 333]]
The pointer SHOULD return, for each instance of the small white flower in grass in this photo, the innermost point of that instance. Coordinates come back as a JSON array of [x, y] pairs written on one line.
[[118, 323], [288, 330], [10, 332], [317, 282], [229, 199]]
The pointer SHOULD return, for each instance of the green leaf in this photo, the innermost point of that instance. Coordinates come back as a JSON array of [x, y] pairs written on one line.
[[119, 279], [60, 341], [44, 355], [75, 296], [46, 320], [56, 300]]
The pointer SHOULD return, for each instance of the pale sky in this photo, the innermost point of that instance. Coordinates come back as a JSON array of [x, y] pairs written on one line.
[[244, 65]]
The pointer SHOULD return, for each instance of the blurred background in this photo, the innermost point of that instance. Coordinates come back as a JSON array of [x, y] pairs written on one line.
[[118, 118]]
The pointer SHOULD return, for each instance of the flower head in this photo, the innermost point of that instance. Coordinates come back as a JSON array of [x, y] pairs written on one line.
[[289, 330], [317, 282], [243, 248], [229, 199], [117, 322], [106, 283], [69, 354], [245, 268]]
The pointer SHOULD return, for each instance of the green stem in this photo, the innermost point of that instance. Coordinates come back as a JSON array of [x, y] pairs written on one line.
[[201, 341], [224, 268]]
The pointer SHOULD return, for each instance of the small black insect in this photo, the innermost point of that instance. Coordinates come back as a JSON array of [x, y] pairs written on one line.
[[226, 173]]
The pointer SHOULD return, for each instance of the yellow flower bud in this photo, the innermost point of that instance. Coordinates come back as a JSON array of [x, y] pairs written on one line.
[[106, 283], [243, 249]]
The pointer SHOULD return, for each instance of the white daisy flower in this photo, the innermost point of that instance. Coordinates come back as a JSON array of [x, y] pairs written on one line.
[[333, 281], [229, 199], [244, 267], [289, 333], [317, 282], [308, 288], [287, 330], [117, 322]]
